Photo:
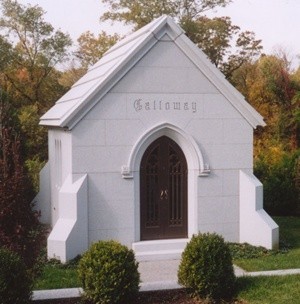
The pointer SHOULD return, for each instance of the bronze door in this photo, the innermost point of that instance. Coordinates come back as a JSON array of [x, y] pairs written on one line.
[[163, 191]]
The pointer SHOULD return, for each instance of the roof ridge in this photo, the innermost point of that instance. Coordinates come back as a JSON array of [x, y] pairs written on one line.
[[126, 53], [147, 28]]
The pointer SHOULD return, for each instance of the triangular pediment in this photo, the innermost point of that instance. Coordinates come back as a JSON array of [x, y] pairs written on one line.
[[122, 57]]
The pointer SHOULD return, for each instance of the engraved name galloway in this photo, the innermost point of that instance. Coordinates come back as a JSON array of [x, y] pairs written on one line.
[[161, 105]]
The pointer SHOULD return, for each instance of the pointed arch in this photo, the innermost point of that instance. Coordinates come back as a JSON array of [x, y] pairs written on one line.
[[195, 166], [185, 141]]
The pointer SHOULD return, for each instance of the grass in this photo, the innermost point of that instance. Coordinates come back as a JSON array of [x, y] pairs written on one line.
[[57, 276], [269, 290], [289, 229], [262, 290]]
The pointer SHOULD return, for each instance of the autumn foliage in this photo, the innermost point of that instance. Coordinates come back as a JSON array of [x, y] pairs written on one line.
[[19, 226], [30, 51]]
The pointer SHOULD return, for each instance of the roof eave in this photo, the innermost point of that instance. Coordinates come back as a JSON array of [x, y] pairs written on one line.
[[112, 78], [160, 27]]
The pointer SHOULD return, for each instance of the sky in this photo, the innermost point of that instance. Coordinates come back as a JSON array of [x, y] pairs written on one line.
[[275, 22]]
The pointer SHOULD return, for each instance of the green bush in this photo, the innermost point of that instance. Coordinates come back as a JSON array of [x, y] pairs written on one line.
[[109, 273], [281, 194], [247, 251], [206, 268], [15, 285]]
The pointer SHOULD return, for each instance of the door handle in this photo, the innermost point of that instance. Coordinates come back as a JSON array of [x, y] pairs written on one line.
[[166, 194], [163, 194]]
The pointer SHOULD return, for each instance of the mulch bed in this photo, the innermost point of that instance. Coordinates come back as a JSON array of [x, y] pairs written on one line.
[[178, 296]]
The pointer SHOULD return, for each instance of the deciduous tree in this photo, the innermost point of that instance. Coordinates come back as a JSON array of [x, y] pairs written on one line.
[[274, 90], [33, 49], [92, 48], [30, 51], [224, 43], [19, 227], [141, 12]]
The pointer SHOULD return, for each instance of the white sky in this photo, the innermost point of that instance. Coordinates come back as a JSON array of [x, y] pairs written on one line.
[[276, 22]]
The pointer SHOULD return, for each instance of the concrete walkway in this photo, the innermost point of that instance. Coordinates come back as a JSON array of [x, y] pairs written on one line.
[[155, 275]]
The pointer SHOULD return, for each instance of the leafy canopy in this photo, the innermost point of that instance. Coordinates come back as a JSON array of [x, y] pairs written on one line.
[[141, 12], [32, 48], [224, 43], [19, 226], [92, 48]]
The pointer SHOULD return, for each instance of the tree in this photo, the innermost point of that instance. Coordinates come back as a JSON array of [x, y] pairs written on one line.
[[296, 112], [19, 226], [217, 37], [248, 48], [278, 169], [224, 43], [30, 50], [92, 48], [141, 12], [71, 74], [35, 51], [271, 87]]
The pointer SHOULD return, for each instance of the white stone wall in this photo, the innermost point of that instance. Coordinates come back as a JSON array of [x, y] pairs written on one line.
[[69, 236], [60, 161], [256, 226], [164, 87], [42, 201]]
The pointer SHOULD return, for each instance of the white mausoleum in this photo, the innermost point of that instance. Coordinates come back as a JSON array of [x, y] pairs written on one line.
[[151, 146]]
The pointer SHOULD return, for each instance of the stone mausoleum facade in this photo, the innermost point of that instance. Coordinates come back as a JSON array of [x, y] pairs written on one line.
[[151, 146]]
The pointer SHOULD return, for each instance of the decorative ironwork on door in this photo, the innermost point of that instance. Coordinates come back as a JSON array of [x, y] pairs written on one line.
[[163, 180]]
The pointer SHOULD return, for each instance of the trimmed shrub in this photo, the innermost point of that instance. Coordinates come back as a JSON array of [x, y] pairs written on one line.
[[206, 268], [109, 273], [15, 284], [247, 251]]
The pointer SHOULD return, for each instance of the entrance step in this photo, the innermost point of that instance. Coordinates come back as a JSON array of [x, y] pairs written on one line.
[[159, 249]]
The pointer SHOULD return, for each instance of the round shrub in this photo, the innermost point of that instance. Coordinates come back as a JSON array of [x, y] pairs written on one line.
[[15, 284], [109, 273], [206, 267]]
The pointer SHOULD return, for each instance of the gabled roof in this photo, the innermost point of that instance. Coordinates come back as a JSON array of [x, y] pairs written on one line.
[[117, 61]]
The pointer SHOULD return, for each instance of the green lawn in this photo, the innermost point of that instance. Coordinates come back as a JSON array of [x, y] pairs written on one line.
[[269, 290], [289, 229], [253, 290], [56, 277]]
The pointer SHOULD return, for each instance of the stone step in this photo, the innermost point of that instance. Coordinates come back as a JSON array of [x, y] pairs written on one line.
[[159, 249], [158, 255]]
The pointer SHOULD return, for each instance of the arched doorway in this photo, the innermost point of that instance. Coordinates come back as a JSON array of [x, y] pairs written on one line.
[[163, 191]]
